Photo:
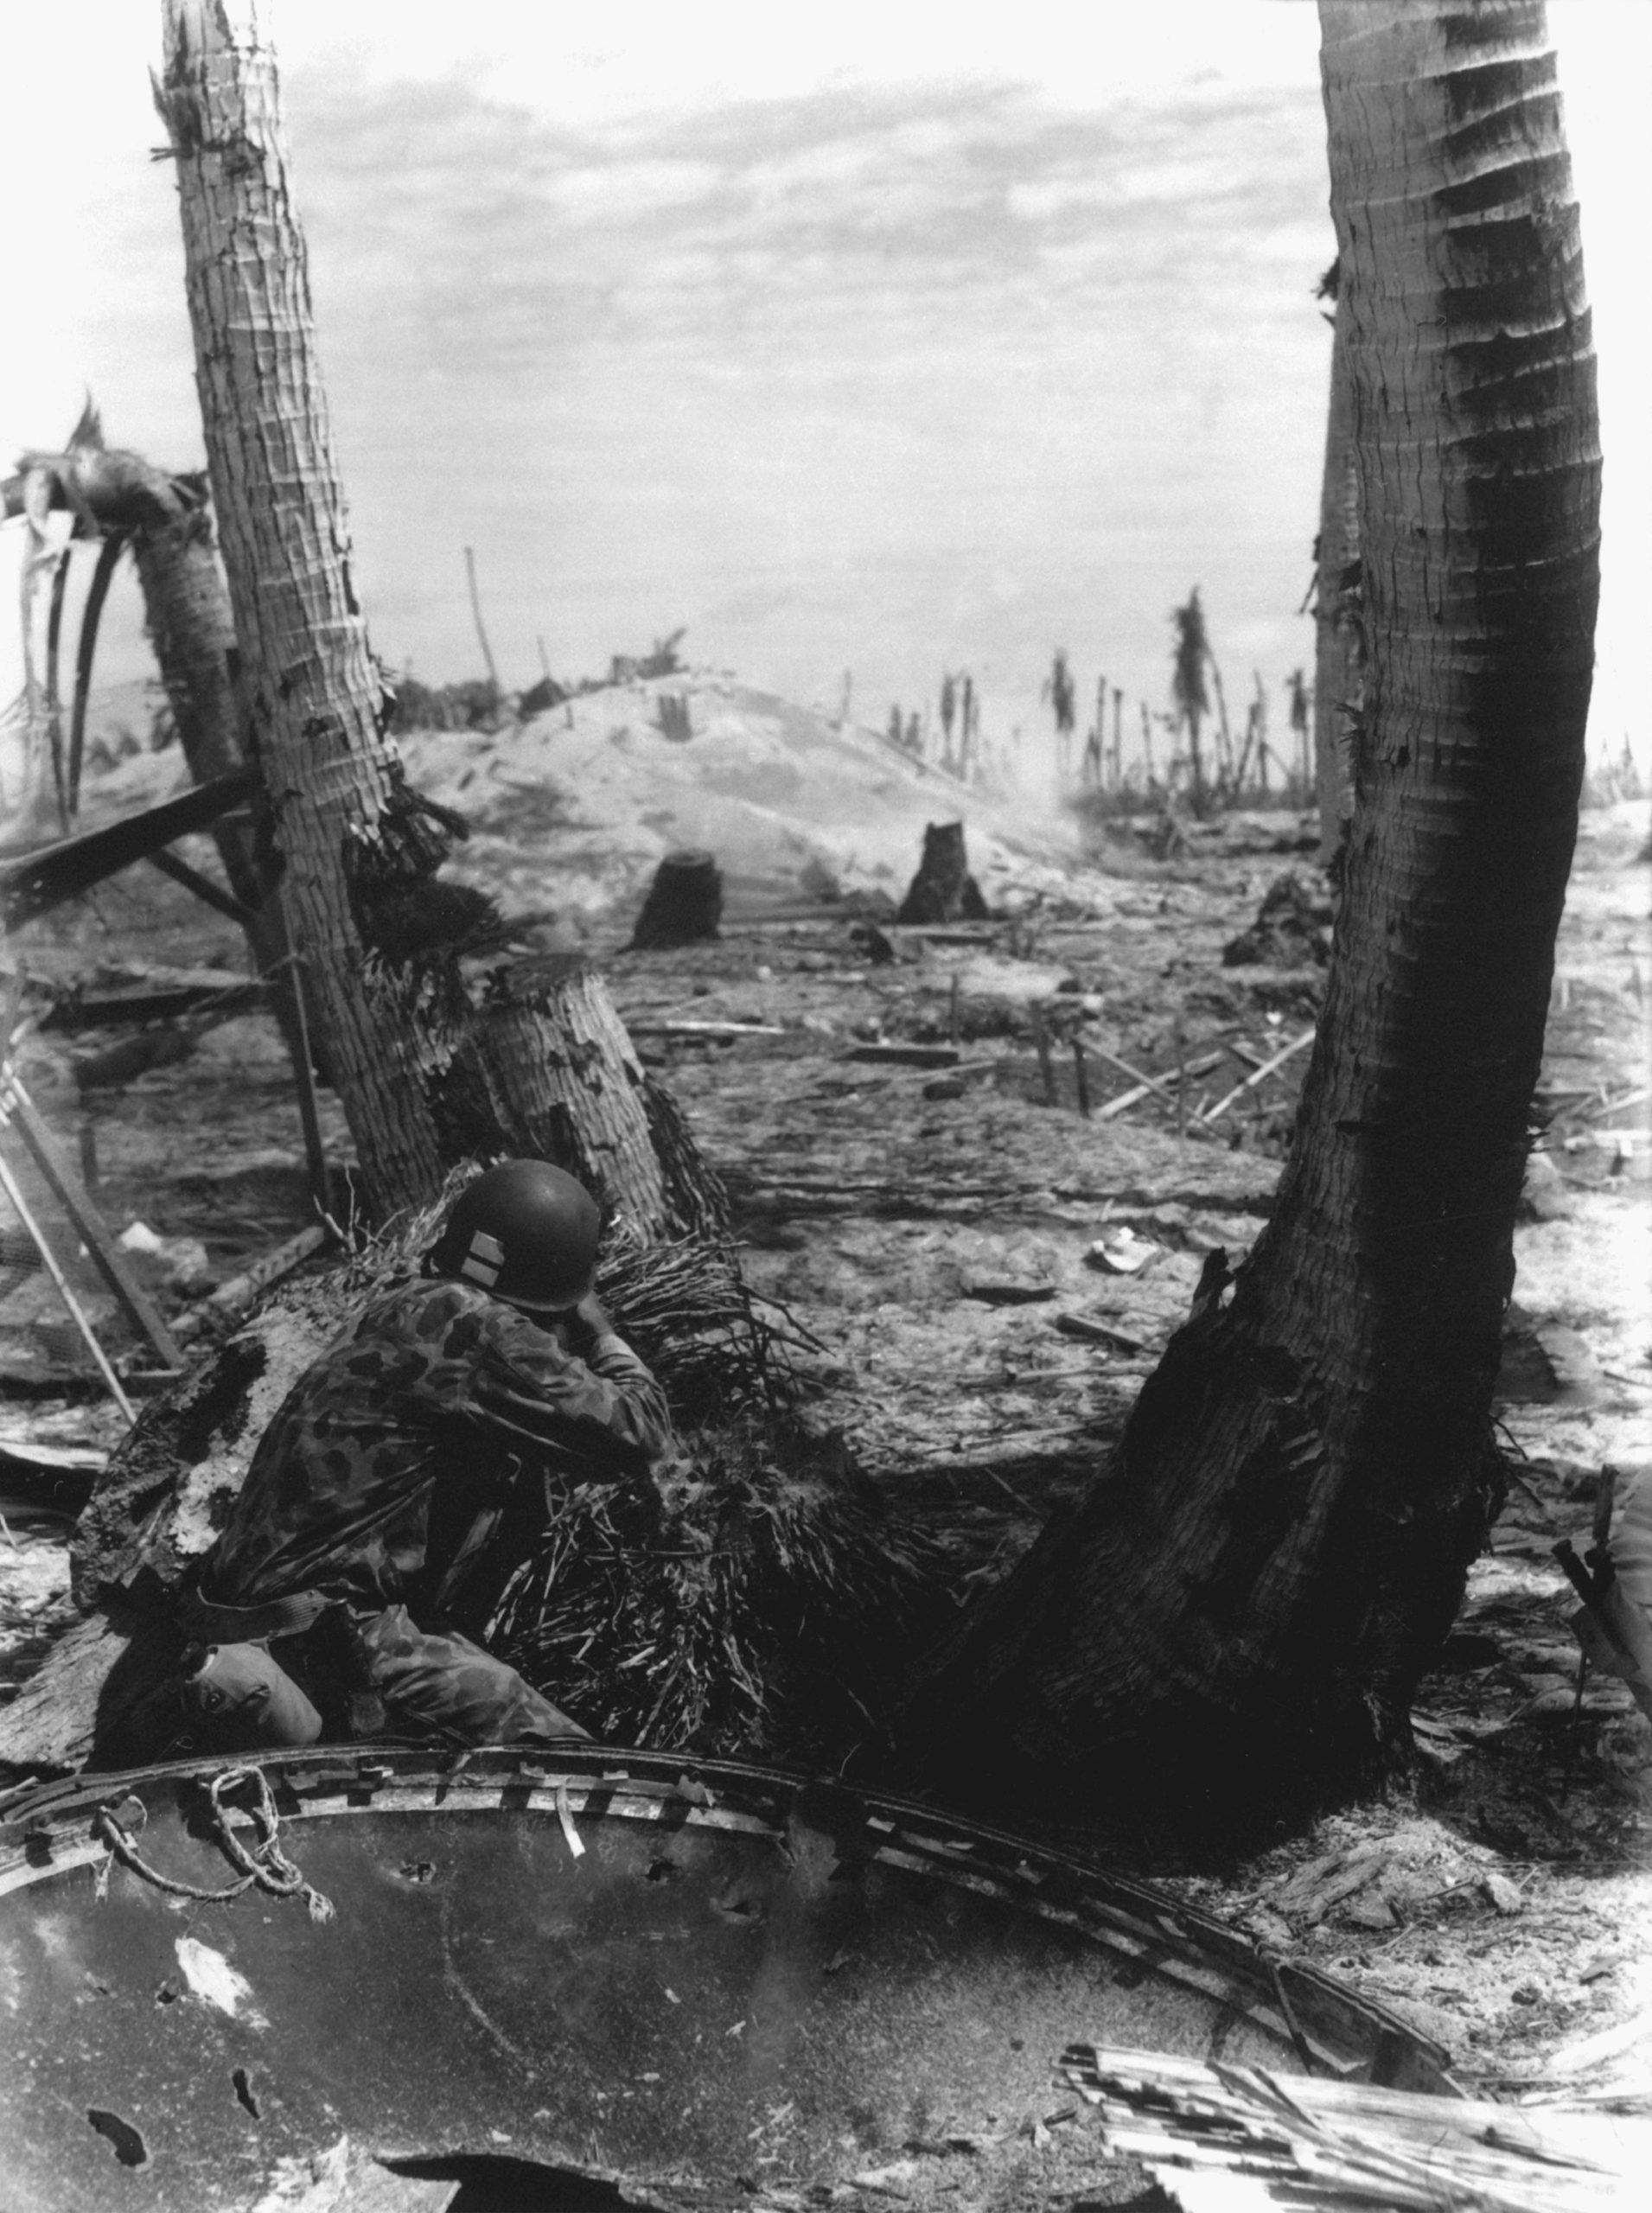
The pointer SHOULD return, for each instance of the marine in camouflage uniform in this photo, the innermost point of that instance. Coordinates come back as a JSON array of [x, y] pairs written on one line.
[[402, 1479]]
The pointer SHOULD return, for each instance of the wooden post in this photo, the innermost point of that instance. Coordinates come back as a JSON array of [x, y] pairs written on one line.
[[1041, 1041], [1181, 1078]]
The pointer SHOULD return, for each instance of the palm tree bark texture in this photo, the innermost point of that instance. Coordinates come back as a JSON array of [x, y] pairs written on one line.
[[350, 833], [1253, 1586], [1336, 577]]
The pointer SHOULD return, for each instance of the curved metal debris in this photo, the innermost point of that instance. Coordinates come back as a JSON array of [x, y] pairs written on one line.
[[704, 1984]]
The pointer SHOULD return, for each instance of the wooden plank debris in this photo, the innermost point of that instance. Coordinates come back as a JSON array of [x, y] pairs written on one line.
[[906, 1056], [1234, 2140], [210, 894], [1150, 1085], [18, 1110], [162, 997], [642, 1027], [9, 1185], [1088, 1332], [1257, 1075], [31, 883]]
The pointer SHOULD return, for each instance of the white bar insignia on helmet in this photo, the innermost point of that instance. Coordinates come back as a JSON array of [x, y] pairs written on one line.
[[482, 1263]]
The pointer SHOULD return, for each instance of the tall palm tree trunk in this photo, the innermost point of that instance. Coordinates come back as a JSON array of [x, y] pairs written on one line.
[[346, 824], [1259, 1579], [1337, 679]]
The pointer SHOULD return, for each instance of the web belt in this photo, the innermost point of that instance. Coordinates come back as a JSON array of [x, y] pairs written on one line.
[[287, 1616]]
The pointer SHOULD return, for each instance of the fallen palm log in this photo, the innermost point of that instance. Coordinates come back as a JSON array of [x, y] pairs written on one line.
[[1218, 2135], [234, 1298]]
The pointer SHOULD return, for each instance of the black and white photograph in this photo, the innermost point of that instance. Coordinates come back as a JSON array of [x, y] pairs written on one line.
[[826, 1107]]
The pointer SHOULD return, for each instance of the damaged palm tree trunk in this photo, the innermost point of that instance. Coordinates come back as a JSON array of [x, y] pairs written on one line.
[[1251, 1590], [570, 1088], [350, 833], [1337, 679]]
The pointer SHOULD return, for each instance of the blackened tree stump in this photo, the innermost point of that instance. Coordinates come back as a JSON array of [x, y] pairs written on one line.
[[684, 905], [943, 890]]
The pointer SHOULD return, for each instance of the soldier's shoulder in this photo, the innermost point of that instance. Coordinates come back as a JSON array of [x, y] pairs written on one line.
[[418, 1309]]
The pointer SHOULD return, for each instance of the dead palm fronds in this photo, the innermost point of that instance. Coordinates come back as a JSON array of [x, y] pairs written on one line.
[[765, 1602]]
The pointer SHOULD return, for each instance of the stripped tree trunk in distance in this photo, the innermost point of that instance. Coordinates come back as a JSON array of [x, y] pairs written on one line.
[[346, 826], [1336, 584], [1251, 1590]]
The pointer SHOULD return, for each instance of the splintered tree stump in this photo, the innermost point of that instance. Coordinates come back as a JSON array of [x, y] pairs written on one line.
[[943, 890], [684, 905], [571, 1089]]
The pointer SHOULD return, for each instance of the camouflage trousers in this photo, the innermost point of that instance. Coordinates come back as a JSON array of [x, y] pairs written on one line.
[[356, 1675]]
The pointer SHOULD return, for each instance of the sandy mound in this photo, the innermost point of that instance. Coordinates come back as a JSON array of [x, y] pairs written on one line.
[[573, 810]]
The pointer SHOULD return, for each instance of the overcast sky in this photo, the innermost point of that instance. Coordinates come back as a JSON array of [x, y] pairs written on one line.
[[900, 338]]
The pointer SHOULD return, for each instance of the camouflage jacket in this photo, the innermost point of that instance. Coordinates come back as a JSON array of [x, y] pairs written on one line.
[[440, 1404]]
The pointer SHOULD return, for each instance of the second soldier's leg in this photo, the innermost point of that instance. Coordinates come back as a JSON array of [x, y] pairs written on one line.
[[440, 1681]]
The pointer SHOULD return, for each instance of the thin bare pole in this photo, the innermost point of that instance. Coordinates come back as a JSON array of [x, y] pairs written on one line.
[[476, 610], [77, 1313]]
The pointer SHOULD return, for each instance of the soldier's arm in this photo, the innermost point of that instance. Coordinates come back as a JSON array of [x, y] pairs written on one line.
[[605, 1405]]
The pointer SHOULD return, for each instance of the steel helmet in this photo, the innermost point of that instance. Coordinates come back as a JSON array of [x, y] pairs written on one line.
[[525, 1231]]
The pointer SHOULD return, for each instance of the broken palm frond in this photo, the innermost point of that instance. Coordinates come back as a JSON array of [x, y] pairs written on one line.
[[1217, 2137], [689, 1312], [763, 1601]]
